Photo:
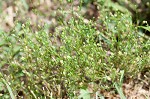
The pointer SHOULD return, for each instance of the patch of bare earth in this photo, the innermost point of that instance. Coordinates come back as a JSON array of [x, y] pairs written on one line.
[[138, 88]]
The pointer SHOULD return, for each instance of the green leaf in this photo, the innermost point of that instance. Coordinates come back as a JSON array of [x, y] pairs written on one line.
[[1, 86], [122, 75], [119, 89], [115, 6], [145, 27], [2, 43], [9, 89], [69, 1], [84, 94], [25, 4], [16, 50]]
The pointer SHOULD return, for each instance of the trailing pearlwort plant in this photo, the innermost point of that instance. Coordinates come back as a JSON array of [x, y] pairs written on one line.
[[38, 64]]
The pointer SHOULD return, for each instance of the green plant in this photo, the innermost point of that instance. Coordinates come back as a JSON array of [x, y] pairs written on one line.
[[40, 64]]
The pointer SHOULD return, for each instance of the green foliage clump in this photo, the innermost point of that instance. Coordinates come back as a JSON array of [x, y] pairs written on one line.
[[44, 65]]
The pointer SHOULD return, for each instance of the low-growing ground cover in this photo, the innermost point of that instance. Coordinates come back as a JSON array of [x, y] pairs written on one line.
[[72, 49]]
